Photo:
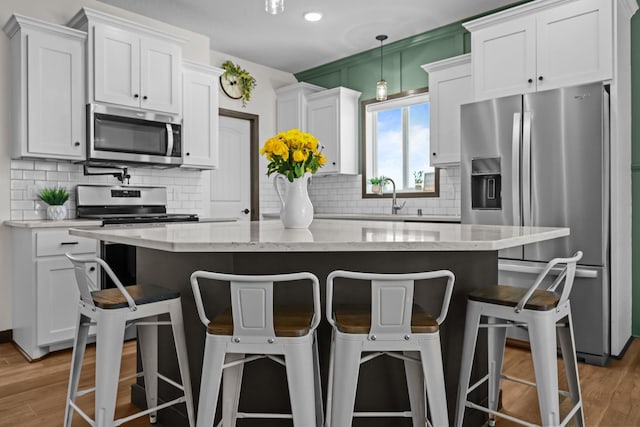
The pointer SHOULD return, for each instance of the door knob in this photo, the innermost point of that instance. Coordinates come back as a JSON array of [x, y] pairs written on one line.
[[245, 211]]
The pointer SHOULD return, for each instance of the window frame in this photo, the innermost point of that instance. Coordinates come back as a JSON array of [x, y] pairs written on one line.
[[366, 129]]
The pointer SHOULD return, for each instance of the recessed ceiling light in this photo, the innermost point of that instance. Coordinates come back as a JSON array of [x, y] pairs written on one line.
[[313, 16]]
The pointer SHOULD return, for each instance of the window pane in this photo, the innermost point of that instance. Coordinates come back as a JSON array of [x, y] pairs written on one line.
[[419, 128], [389, 145]]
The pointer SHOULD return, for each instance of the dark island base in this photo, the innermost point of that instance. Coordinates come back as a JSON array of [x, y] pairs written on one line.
[[381, 384]]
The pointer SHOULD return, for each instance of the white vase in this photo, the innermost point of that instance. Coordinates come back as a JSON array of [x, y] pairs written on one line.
[[296, 210], [56, 212]]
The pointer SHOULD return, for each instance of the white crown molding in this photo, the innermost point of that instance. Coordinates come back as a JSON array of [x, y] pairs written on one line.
[[447, 63], [16, 22]]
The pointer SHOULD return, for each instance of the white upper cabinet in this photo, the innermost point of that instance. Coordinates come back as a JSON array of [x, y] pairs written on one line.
[[200, 115], [130, 64], [291, 106], [332, 117], [541, 45], [450, 85], [47, 67]]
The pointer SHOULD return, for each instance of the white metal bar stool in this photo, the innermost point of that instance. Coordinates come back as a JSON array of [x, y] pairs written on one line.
[[540, 311], [254, 325], [392, 325], [111, 311]]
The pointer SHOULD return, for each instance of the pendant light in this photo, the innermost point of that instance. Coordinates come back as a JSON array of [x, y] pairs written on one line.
[[381, 87], [274, 6]]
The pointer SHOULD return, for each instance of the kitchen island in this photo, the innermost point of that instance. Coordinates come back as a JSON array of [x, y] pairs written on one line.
[[167, 255]]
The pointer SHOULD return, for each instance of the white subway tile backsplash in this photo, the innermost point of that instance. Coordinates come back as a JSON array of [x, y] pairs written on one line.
[[28, 177]]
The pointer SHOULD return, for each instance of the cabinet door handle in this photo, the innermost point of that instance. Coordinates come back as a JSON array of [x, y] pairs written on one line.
[[69, 243], [530, 80], [144, 97], [135, 95], [540, 78], [188, 154], [76, 144], [333, 163], [92, 269], [434, 154]]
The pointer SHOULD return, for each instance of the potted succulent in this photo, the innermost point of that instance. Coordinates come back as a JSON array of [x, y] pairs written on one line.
[[55, 197], [378, 183], [418, 177]]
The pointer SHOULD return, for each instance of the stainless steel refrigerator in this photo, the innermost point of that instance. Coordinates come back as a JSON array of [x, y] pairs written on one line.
[[542, 159]]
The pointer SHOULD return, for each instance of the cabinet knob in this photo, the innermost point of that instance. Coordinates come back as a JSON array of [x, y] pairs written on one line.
[[540, 78], [144, 97], [135, 95], [76, 144], [92, 269], [434, 154], [530, 80], [333, 163], [188, 154]]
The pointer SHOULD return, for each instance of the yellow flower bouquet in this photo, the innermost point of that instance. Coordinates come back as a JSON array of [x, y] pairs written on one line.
[[292, 154]]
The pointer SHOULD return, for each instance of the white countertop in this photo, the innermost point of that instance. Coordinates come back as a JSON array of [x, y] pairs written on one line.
[[47, 223], [323, 235], [376, 217]]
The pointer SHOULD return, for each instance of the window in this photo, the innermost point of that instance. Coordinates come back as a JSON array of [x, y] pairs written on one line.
[[396, 147]]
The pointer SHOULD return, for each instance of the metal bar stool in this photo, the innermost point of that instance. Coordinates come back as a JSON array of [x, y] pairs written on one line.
[[540, 311], [253, 325], [112, 311], [392, 325]]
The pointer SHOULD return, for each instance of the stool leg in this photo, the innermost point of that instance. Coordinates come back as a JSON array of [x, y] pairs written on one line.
[[542, 333], [148, 338], [471, 322], [431, 355], [317, 381], [415, 387], [177, 327], [109, 340], [567, 345], [496, 338], [79, 346], [210, 384], [299, 364], [231, 385], [332, 351], [346, 368]]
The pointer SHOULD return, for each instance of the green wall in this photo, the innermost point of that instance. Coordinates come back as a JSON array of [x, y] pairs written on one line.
[[402, 60]]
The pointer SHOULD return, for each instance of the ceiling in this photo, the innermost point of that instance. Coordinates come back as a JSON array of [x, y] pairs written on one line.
[[287, 42]]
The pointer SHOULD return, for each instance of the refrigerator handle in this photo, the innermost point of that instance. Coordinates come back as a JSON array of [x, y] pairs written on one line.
[[515, 164], [526, 168]]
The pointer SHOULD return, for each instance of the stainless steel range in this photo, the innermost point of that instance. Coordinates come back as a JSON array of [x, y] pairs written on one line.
[[124, 205]]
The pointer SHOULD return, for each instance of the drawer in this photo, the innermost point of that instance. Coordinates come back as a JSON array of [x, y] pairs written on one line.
[[59, 241]]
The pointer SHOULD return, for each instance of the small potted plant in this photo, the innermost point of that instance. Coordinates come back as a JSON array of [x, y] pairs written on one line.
[[418, 177], [55, 197], [378, 183]]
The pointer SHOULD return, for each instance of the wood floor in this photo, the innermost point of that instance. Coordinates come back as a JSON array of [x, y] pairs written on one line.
[[33, 394]]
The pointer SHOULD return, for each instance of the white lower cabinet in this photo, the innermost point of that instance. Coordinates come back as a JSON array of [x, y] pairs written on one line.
[[45, 295]]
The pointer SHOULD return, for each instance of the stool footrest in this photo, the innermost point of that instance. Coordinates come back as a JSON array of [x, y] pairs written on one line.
[[564, 422], [403, 414], [121, 421], [530, 384], [263, 415]]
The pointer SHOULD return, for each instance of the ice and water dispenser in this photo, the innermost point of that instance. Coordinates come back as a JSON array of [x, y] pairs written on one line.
[[486, 183]]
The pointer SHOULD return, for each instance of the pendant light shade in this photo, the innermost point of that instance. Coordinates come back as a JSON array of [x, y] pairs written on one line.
[[381, 87], [274, 6]]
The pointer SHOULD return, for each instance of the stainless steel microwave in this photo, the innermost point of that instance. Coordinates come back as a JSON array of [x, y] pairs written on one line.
[[120, 135]]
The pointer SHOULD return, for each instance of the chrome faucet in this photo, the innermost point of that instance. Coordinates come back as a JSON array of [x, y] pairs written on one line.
[[394, 206]]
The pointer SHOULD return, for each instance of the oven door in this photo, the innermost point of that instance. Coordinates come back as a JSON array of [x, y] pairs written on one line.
[[116, 134], [122, 260]]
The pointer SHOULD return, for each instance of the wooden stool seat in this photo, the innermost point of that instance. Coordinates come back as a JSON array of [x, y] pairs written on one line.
[[112, 298], [541, 300], [288, 321], [356, 319]]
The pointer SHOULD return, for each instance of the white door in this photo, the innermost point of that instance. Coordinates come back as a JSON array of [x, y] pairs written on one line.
[[231, 181]]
